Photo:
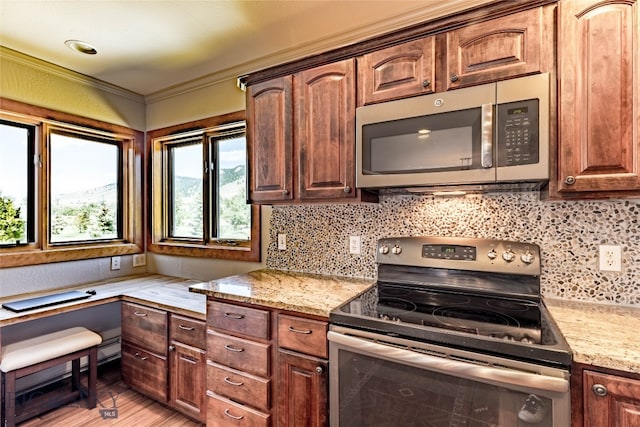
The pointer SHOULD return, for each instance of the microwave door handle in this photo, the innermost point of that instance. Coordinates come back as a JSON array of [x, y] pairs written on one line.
[[486, 132]]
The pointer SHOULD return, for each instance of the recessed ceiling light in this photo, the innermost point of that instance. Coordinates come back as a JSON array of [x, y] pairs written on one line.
[[80, 46]]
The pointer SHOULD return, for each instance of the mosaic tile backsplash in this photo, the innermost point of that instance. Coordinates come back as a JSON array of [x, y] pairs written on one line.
[[568, 233]]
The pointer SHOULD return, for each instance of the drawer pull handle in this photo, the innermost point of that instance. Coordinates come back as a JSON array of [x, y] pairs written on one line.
[[140, 357], [235, 417], [300, 331], [139, 314], [599, 390], [234, 316], [232, 348], [186, 328], [228, 381]]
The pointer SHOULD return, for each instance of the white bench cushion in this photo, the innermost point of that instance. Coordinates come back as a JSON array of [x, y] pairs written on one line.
[[46, 347]]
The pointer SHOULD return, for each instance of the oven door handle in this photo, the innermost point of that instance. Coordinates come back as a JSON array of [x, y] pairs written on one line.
[[456, 368]]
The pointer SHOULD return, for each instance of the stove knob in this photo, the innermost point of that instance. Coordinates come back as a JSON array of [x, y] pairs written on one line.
[[396, 249], [384, 249], [508, 255], [527, 257], [492, 254]]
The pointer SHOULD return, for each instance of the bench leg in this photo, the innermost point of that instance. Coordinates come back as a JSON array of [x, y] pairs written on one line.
[[9, 397], [75, 374], [93, 377]]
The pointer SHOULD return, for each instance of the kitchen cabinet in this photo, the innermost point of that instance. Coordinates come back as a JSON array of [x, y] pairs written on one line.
[[610, 400], [514, 45], [302, 390], [238, 365], [163, 357], [598, 120], [407, 69], [301, 136], [187, 366], [144, 350]]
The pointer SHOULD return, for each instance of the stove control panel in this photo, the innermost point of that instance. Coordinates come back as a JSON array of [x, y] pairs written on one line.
[[500, 256]]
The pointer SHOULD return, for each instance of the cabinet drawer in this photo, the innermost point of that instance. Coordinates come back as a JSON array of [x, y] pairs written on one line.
[[188, 331], [233, 318], [222, 412], [239, 386], [239, 353], [145, 327], [145, 372], [303, 335]]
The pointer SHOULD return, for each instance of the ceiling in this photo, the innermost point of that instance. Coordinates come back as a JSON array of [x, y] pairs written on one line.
[[147, 46]]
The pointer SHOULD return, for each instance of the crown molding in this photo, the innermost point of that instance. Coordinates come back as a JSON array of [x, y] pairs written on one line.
[[7, 54], [431, 11]]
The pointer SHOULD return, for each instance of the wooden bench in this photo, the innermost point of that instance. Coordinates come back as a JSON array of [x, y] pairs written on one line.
[[36, 354]]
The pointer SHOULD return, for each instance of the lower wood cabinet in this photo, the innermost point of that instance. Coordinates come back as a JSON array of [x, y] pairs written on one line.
[[610, 400], [265, 367], [163, 357], [302, 390]]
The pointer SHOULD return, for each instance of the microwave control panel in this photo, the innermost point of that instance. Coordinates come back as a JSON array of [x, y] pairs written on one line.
[[518, 133]]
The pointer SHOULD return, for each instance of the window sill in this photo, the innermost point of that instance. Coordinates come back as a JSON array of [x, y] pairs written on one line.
[[247, 252], [31, 255]]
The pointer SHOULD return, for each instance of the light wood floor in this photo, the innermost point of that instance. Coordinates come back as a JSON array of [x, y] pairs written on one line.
[[133, 409]]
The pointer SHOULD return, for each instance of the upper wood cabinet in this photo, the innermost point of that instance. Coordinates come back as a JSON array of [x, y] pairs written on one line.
[[325, 108], [510, 46], [404, 70], [514, 45], [301, 136], [270, 140], [599, 105]]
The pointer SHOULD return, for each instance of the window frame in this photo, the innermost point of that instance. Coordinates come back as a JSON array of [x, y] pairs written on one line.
[[159, 240], [42, 250]]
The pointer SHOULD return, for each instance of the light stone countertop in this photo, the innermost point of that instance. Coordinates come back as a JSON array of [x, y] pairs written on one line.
[[602, 335], [300, 292]]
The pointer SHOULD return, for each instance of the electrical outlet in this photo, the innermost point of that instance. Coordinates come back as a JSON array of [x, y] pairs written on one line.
[[282, 241], [355, 245], [115, 263], [139, 260], [610, 258]]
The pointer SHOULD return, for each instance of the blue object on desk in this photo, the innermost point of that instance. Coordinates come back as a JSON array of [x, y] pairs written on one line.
[[47, 300]]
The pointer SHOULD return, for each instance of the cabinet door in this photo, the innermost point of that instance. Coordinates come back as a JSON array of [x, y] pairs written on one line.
[[599, 106], [513, 45], [610, 401], [325, 131], [188, 375], [270, 140], [302, 390], [398, 71]]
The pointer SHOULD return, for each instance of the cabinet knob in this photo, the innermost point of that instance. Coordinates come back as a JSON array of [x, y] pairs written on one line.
[[454, 77], [599, 390], [172, 348], [426, 83], [347, 189], [285, 192], [570, 180], [319, 369]]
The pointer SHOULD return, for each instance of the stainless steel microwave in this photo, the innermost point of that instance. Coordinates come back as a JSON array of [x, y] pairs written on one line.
[[491, 136]]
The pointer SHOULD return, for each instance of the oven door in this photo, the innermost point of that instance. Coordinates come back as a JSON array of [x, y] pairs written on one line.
[[380, 381]]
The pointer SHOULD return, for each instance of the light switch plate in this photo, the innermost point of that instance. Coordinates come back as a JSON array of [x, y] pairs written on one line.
[[282, 241], [355, 243], [139, 260]]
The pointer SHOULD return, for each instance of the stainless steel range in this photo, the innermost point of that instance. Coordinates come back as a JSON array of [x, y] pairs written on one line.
[[455, 333]]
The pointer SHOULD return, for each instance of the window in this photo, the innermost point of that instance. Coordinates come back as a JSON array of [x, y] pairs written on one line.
[[67, 191], [17, 144], [199, 191], [85, 188]]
